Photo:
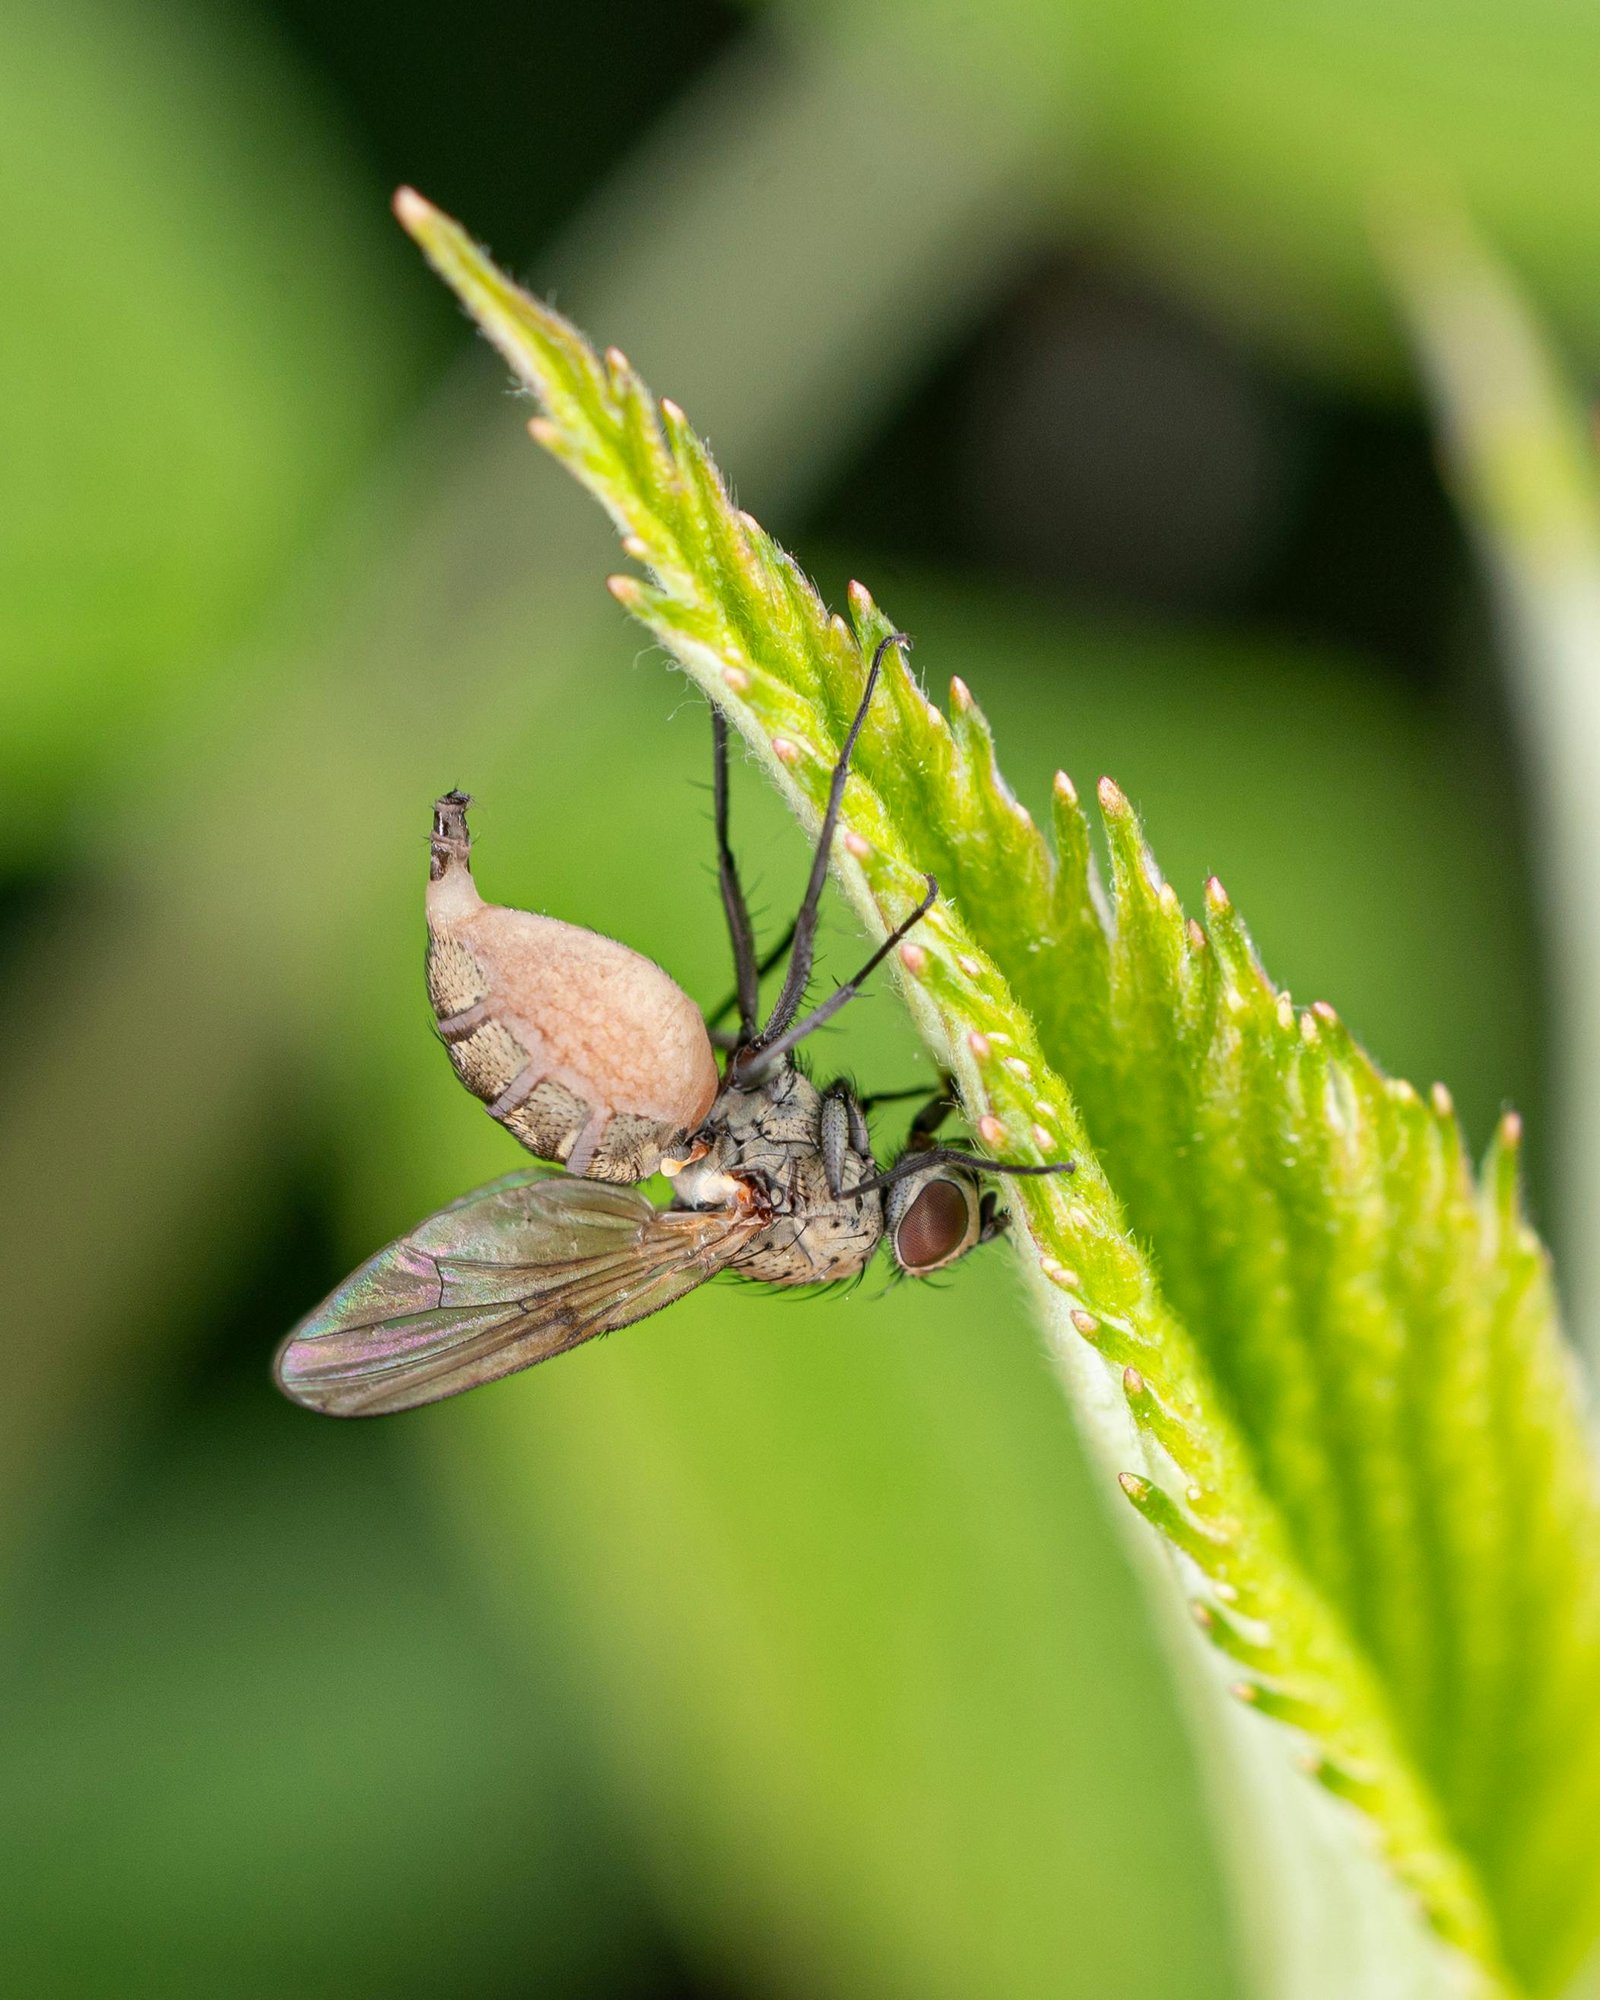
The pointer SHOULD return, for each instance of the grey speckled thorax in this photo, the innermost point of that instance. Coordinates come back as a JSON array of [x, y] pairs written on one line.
[[772, 1144]]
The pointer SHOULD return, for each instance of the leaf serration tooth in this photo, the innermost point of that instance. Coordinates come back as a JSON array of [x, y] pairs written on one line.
[[1355, 1783], [1207, 1546], [1286, 1702], [1152, 1413], [1247, 1641]]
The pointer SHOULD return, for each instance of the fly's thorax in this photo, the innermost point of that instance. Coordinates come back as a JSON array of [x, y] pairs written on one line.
[[750, 1141], [821, 1237], [584, 1050], [763, 1150]]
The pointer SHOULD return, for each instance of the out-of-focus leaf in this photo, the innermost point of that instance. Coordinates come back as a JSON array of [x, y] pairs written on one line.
[[1237, 146], [1522, 453], [1360, 1439], [258, 1739], [204, 333]]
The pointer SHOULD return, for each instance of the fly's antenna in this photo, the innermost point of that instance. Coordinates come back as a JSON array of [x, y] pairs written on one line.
[[774, 1040]]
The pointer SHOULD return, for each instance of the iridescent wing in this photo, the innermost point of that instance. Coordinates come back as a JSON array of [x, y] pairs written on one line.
[[512, 1274]]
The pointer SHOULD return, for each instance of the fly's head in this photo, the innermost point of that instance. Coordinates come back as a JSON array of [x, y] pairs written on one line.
[[934, 1216]]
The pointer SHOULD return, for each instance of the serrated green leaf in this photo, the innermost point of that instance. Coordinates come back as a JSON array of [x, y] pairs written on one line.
[[1335, 1351]]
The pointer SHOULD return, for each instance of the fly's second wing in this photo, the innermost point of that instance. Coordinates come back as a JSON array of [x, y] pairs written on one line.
[[517, 1272]]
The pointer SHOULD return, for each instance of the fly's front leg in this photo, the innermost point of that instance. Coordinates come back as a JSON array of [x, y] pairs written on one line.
[[942, 1105], [842, 1130], [993, 1220]]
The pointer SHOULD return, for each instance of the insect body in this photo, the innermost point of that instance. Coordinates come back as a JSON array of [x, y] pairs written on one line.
[[593, 1058]]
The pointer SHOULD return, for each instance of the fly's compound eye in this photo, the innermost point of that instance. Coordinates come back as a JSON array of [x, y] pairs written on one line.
[[933, 1219]]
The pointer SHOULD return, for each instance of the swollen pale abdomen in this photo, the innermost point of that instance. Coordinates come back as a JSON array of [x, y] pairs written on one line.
[[586, 1051]]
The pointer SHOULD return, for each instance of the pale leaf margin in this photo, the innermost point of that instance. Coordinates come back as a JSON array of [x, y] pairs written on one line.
[[741, 619]]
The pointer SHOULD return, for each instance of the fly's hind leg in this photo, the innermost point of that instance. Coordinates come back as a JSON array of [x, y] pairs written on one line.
[[741, 932]]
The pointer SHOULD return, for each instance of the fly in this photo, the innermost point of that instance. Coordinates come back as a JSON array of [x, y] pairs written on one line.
[[596, 1061]]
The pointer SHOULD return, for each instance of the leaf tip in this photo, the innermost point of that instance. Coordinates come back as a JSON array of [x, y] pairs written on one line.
[[1133, 1381], [1113, 799], [1216, 896], [737, 679], [1443, 1103], [991, 1131], [1065, 790], [1510, 1130], [543, 432], [1086, 1323], [915, 961], [978, 1042], [627, 590], [786, 751], [1136, 1488], [960, 695], [857, 843], [412, 211]]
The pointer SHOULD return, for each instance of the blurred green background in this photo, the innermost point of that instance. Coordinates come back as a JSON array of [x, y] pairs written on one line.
[[780, 1647]]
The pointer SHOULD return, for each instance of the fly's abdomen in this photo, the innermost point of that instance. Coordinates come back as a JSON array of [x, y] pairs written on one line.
[[585, 1051]]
